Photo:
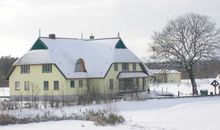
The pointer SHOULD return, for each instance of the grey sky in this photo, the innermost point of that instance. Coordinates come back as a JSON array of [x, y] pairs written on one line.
[[136, 20]]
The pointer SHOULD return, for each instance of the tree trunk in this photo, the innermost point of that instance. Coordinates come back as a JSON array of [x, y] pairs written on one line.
[[193, 81]]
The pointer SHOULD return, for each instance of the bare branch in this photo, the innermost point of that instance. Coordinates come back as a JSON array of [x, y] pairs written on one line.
[[188, 39]]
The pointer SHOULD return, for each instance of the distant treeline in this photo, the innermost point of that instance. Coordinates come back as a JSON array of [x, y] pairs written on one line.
[[5, 66], [203, 69]]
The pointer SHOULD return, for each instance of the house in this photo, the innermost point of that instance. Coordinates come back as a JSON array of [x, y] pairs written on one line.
[[166, 76], [68, 67]]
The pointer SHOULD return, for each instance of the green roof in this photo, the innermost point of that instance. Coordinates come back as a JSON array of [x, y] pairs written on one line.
[[39, 45], [120, 45]]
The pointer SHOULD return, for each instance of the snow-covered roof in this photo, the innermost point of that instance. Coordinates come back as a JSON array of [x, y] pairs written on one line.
[[156, 71], [35, 57], [123, 75], [97, 54]]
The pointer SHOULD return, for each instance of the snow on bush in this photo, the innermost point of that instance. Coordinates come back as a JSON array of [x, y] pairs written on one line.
[[101, 116]]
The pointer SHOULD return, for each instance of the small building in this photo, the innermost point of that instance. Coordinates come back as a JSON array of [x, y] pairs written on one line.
[[65, 68], [166, 76]]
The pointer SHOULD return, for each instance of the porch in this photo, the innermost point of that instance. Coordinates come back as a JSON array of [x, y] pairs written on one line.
[[130, 82]]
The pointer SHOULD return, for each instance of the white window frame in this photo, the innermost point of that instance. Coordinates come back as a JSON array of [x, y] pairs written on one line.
[[80, 83], [26, 85], [134, 67], [72, 84], [56, 85], [46, 85], [111, 84], [125, 67], [25, 69], [17, 86], [47, 68]]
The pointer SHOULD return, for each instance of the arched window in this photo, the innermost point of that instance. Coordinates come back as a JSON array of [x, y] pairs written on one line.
[[80, 66]]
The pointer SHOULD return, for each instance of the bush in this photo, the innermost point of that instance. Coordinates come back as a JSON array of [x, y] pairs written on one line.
[[7, 119], [104, 117], [22, 116], [114, 119]]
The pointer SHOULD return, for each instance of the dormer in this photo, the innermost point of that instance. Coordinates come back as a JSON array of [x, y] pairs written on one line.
[[80, 66]]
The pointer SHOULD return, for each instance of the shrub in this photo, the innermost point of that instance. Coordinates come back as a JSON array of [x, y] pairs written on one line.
[[114, 119], [104, 117], [7, 119]]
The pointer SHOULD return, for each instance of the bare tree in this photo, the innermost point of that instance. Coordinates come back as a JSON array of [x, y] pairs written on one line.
[[187, 39], [34, 94]]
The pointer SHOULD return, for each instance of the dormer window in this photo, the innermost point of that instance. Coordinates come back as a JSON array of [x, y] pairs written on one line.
[[125, 67], [80, 66]]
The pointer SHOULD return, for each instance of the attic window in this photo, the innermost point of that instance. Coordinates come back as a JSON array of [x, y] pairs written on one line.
[[80, 66]]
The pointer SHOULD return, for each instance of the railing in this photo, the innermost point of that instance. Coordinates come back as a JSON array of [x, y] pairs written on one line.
[[4, 97]]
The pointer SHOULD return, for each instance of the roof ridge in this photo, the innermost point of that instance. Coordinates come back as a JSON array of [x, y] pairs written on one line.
[[106, 38], [63, 38], [84, 39]]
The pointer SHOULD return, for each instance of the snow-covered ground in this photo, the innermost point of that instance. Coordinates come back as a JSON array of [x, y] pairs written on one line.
[[164, 114], [185, 87], [4, 91]]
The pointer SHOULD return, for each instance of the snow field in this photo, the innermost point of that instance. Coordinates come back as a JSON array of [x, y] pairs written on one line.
[[164, 114]]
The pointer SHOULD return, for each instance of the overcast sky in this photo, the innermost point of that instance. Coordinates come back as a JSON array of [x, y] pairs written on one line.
[[136, 20]]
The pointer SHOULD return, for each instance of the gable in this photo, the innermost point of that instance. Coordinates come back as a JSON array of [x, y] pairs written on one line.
[[120, 45], [39, 45]]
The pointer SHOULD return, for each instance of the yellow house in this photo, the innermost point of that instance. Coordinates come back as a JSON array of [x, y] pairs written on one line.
[[166, 76], [64, 68]]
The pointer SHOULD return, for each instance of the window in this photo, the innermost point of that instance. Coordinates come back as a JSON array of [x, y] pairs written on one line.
[[80, 66], [46, 85], [137, 82], [125, 67], [17, 85], [47, 68], [116, 67], [25, 69], [72, 84], [134, 67], [27, 98], [56, 85], [26, 85], [144, 83], [111, 84], [80, 83]]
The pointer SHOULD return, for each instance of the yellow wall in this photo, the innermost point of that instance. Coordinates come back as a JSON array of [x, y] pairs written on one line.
[[174, 77], [167, 77], [80, 90], [36, 78]]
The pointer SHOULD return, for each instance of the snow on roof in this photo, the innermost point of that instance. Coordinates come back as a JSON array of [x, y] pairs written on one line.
[[155, 71], [132, 75], [35, 57], [97, 55]]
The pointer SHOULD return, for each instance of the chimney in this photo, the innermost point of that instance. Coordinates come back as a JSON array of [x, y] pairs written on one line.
[[91, 37], [52, 36]]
